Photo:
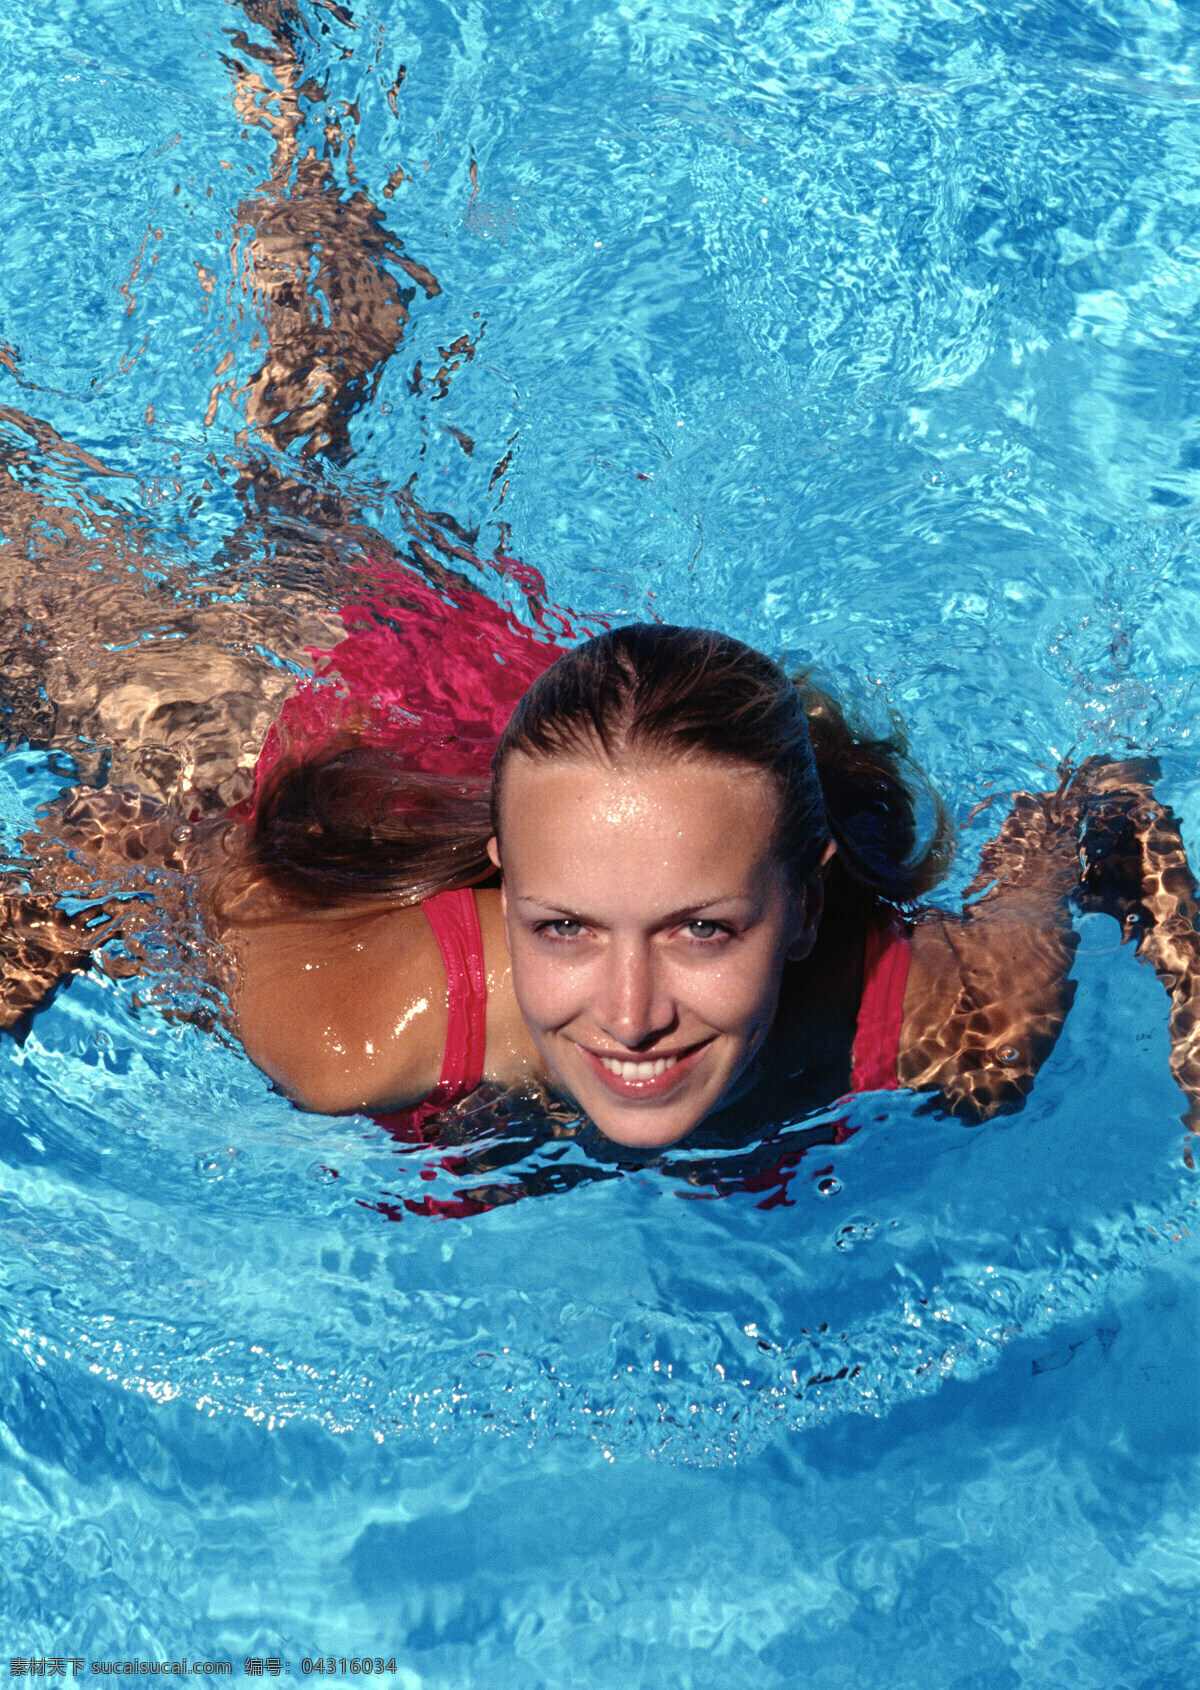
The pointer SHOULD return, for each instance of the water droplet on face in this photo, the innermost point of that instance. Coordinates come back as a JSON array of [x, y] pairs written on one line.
[[829, 1187]]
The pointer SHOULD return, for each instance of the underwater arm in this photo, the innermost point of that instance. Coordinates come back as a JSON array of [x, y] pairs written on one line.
[[39, 947], [989, 989], [105, 849], [1134, 867]]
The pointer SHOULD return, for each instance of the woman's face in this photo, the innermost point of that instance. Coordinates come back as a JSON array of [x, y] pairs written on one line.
[[648, 921]]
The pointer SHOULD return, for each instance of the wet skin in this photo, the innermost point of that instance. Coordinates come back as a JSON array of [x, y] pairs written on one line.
[[648, 920], [645, 921], [648, 959]]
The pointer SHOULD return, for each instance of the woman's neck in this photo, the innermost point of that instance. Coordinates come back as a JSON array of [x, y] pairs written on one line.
[[820, 997]]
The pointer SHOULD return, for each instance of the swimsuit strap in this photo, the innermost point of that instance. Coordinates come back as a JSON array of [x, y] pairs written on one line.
[[455, 922], [881, 1012]]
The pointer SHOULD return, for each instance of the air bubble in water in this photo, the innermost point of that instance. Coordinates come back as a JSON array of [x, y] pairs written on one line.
[[214, 1165]]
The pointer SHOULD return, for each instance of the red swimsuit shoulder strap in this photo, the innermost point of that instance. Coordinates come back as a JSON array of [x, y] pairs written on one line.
[[881, 1012], [455, 922]]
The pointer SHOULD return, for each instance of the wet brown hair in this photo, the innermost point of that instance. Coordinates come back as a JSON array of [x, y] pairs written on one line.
[[648, 690], [351, 823]]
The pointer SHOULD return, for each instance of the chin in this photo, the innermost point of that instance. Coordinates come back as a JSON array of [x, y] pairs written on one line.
[[648, 1122], [644, 1128], [643, 1112], [642, 1134]]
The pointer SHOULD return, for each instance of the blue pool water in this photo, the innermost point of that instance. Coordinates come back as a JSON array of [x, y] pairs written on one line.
[[868, 331]]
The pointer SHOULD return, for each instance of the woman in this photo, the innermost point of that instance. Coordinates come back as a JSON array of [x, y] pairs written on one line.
[[681, 900], [647, 770]]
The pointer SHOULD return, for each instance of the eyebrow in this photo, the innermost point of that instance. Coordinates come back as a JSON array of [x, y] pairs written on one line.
[[689, 913]]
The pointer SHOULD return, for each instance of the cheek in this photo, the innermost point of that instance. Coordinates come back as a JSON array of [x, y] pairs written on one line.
[[740, 997], [544, 986]]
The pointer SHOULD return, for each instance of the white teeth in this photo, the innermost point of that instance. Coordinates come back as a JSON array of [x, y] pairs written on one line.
[[639, 1070]]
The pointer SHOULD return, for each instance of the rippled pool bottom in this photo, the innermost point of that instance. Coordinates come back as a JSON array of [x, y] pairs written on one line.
[[1040, 1529]]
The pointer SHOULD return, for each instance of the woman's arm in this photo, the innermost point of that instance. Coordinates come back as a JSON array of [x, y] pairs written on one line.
[[127, 860], [988, 990], [1134, 868], [40, 947]]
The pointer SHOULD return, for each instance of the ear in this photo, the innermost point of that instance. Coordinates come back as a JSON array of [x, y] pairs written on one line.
[[810, 906], [493, 851]]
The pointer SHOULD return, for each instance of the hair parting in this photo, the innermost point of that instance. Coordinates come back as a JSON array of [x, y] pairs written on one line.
[[654, 690]]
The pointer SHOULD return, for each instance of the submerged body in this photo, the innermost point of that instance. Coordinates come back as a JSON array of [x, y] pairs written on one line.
[[671, 933], [644, 949]]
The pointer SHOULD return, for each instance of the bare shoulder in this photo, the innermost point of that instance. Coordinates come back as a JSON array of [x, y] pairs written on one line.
[[343, 1012], [349, 1011]]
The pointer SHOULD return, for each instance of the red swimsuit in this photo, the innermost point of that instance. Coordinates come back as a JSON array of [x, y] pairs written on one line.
[[881, 1011], [455, 922]]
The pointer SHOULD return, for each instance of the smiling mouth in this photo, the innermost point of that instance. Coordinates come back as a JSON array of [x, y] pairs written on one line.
[[646, 1077], [639, 1070]]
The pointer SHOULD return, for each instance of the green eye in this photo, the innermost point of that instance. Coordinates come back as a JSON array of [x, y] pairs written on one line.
[[564, 929], [703, 930]]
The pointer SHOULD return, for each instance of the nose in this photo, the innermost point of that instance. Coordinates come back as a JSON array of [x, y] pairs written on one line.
[[633, 1005]]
